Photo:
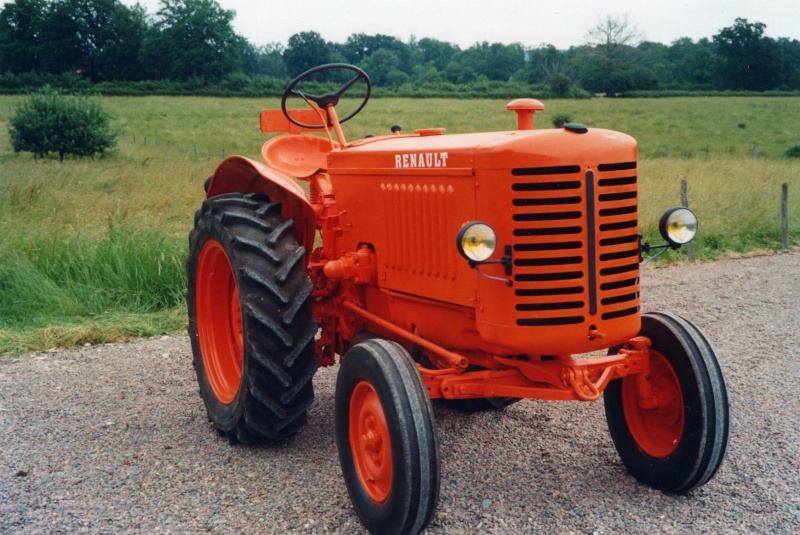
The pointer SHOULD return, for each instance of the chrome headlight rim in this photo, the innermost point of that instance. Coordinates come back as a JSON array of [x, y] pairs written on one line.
[[473, 229], [678, 218]]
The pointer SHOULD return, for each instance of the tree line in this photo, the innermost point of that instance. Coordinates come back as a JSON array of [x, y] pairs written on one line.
[[191, 44]]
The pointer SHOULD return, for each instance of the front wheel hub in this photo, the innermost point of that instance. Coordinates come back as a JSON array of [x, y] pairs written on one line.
[[369, 440], [657, 431]]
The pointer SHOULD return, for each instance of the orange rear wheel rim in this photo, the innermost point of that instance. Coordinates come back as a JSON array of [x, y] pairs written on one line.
[[369, 442], [219, 322], [658, 431]]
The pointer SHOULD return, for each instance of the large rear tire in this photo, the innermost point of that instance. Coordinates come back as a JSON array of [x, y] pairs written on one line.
[[386, 438], [679, 445], [250, 319]]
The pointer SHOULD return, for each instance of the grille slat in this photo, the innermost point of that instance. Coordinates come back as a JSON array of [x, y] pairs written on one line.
[[554, 287], [619, 243]]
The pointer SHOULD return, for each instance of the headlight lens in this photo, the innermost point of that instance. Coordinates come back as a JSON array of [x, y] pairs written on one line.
[[476, 241], [678, 226]]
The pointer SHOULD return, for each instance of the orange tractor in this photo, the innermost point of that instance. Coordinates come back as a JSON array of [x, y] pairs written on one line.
[[479, 269]]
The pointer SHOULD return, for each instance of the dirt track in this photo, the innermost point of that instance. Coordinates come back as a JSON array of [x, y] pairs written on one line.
[[114, 438]]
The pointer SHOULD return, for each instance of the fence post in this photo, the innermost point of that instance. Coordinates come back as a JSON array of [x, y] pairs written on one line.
[[755, 150], [685, 202], [785, 215]]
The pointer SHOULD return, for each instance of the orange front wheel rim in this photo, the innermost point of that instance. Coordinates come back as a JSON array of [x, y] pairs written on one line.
[[657, 431], [219, 322], [369, 442]]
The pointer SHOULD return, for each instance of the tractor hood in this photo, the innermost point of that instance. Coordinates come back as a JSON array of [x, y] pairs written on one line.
[[430, 153]]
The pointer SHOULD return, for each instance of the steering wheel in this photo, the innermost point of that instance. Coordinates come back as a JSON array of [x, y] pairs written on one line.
[[328, 99]]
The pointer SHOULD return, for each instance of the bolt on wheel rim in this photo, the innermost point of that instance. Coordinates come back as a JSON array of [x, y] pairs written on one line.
[[657, 431], [219, 322], [369, 441]]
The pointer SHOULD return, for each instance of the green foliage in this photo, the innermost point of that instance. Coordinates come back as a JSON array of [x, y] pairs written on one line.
[[793, 152], [21, 24], [559, 85], [750, 60], [192, 39], [99, 39], [48, 122], [190, 47], [305, 51], [264, 61], [560, 119], [127, 283]]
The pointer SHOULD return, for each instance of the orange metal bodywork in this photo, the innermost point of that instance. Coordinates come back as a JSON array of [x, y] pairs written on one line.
[[564, 206], [238, 174]]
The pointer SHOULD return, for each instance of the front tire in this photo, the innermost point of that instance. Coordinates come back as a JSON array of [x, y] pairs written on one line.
[[679, 445], [386, 438], [250, 319]]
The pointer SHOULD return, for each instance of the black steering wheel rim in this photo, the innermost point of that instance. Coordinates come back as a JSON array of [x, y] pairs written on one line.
[[323, 101]]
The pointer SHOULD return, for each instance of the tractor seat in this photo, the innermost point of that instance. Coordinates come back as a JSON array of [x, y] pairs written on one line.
[[298, 155]]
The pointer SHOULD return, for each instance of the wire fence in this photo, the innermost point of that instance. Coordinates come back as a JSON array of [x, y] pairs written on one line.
[[689, 154], [769, 207], [188, 149]]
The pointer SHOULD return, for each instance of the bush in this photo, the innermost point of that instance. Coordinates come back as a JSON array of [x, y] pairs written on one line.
[[559, 85], [49, 122], [561, 119], [793, 152]]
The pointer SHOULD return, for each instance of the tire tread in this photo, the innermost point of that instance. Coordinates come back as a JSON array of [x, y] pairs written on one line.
[[280, 361]]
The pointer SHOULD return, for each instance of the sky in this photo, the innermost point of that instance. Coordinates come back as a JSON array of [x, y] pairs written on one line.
[[562, 23]]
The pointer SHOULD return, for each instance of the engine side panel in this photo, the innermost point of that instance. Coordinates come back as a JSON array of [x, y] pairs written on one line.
[[412, 225]]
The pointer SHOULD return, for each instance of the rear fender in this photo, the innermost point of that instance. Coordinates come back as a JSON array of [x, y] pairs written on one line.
[[237, 174]]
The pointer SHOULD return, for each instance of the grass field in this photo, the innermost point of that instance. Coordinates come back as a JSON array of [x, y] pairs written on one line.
[[93, 250]]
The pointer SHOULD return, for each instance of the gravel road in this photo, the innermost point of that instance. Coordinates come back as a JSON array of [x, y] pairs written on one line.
[[114, 438]]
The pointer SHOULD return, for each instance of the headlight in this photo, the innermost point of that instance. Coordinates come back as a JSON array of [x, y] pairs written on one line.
[[678, 226], [476, 241]]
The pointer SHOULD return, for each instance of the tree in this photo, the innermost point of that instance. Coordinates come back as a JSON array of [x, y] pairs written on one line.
[[21, 25], [437, 53], [192, 39], [48, 122], [264, 61], [383, 67], [74, 33], [750, 60], [305, 50], [495, 61], [99, 39], [693, 64], [790, 58], [545, 62], [122, 39], [612, 40]]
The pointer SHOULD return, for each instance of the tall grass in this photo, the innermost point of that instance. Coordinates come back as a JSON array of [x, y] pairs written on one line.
[[93, 250], [737, 201], [125, 283]]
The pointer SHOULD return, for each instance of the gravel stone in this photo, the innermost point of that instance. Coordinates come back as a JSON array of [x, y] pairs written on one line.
[[114, 438]]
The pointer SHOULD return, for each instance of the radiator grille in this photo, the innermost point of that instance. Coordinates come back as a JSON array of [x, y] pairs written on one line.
[[576, 245]]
